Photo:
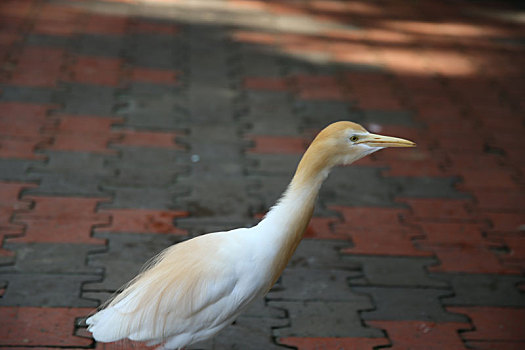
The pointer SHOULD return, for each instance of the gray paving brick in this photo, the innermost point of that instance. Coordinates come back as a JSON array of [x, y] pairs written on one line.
[[308, 284], [46, 290], [483, 290], [260, 309], [75, 162], [269, 189], [257, 63], [52, 258], [142, 157], [365, 186], [161, 112], [275, 106], [280, 165], [154, 51], [408, 304], [324, 319], [317, 114], [321, 254], [16, 169], [28, 94], [150, 90], [87, 99], [218, 104], [219, 197], [71, 173], [143, 177], [270, 126], [250, 333], [98, 45], [358, 186], [68, 184], [126, 255], [34, 39], [394, 271], [139, 197], [384, 117], [437, 187]]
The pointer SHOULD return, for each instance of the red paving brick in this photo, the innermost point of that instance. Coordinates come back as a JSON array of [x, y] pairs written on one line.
[[147, 139], [154, 27], [84, 133], [96, 70], [493, 323], [156, 76], [61, 219], [377, 231], [78, 133], [254, 37], [143, 221], [105, 24], [41, 326], [414, 162], [516, 246], [436, 209], [467, 258], [333, 343], [502, 179], [421, 335], [322, 228], [455, 233], [22, 147], [21, 125], [506, 222], [264, 83], [23, 119], [85, 124], [320, 87], [381, 241], [54, 19], [371, 217], [38, 66], [9, 204], [277, 144]]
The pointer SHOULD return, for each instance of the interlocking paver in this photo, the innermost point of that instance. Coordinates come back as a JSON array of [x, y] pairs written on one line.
[[394, 271], [325, 318], [493, 323], [482, 289], [142, 220], [393, 304], [46, 290], [60, 219], [41, 326], [309, 343], [423, 335]]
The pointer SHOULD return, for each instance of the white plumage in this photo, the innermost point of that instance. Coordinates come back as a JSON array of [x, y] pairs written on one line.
[[194, 289]]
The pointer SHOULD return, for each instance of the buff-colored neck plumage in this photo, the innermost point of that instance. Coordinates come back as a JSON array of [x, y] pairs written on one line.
[[286, 222]]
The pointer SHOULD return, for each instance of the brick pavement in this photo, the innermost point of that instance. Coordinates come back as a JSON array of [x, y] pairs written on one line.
[[127, 126]]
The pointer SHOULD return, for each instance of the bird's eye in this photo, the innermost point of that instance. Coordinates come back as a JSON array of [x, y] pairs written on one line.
[[354, 138]]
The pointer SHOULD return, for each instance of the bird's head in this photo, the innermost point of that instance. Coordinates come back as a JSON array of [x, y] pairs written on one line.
[[345, 142]]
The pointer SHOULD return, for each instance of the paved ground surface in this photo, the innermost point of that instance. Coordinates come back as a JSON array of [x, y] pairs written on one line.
[[127, 126]]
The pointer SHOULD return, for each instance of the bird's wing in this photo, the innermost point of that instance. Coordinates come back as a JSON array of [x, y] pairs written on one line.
[[177, 294]]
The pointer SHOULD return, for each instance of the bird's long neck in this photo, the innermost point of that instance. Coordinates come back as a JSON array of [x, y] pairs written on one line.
[[285, 223]]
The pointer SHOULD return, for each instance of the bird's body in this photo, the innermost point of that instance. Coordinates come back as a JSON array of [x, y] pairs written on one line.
[[194, 289]]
